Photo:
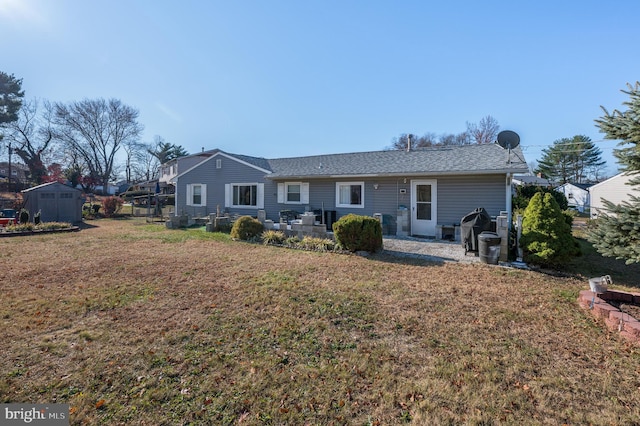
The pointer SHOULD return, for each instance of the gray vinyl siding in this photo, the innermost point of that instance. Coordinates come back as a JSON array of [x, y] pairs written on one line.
[[457, 196], [460, 195], [231, 172]]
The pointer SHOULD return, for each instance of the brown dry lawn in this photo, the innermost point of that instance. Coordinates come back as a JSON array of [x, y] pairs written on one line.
[[131, 323]]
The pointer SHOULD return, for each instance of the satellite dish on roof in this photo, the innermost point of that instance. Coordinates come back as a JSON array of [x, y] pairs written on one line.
[[508, 139]]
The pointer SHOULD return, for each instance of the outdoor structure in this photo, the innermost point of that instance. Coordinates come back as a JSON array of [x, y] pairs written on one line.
[[577, 195], [422, 192], [615, 189], [55, 201]]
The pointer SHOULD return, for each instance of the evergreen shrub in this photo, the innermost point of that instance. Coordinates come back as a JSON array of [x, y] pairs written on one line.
[[358, 233], [24, 216], [546, 233], [246, 228]]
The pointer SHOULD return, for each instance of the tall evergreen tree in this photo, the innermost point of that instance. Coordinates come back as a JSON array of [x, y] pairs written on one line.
[[617, 233], [570, 160], [165, 151], [11, 95]]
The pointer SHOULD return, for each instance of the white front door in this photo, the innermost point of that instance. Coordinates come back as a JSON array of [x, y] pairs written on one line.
[[424, 207]]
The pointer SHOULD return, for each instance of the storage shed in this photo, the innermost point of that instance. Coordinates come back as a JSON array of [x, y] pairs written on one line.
[[55, 201]]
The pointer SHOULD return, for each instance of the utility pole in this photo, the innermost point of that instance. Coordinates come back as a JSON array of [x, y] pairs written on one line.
[[9, 177]]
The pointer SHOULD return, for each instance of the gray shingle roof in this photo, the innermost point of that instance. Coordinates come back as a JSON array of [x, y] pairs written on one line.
[[468, 159]]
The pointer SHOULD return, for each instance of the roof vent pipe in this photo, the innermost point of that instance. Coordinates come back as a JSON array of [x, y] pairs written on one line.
[[408, 143]]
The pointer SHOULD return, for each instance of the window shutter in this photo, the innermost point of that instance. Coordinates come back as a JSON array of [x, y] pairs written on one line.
[[227, 195], [189, 195], [304, 192], [281, 193], [203, 196], [260, 200]]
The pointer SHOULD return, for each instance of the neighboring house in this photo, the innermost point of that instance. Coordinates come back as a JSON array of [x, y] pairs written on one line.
[[577, 195], [19, 172], [537, 180], [615, 189], [55, 201], [171, 169], [414, 191]]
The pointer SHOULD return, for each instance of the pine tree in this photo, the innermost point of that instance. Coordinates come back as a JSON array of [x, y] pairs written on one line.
[[570, 160], [617, 233], [11, 95]]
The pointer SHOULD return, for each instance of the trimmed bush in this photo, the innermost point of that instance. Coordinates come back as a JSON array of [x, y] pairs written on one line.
[[24, 216], [546, 233], [246, 228], [358, 233]]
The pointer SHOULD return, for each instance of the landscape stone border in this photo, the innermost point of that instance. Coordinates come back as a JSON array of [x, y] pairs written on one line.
[[4, 234], [614, 318]]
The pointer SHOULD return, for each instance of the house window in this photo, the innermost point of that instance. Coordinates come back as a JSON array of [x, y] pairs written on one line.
[[244, 195], [350, 194], [196, 194], [66, 195], [293, 193], [47, 195], [218, 163]]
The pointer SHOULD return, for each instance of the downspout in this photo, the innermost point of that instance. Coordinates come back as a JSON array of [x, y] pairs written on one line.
[[508, 201]]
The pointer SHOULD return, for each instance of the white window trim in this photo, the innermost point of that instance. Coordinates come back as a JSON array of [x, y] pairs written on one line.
[[228, 195], [350, 206], [203, 194], [283, 190]]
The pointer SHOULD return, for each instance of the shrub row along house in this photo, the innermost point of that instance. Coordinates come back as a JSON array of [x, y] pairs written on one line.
[[416, 192]]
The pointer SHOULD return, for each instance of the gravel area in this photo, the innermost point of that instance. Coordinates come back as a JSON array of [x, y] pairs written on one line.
[[440, 251]]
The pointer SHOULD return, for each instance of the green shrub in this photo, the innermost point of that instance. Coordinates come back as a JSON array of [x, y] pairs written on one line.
[[111, 205], [246, 228], [271, 236], [24, 216], [356, 233], [546, 235], [524, 193]]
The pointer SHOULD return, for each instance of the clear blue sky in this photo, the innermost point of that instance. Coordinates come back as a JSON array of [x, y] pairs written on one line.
[[292, 78]]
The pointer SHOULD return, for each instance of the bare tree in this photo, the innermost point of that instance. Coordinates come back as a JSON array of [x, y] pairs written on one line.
[[96, 129], [146, 168], [409, 141], [484, 132], [32, 137]]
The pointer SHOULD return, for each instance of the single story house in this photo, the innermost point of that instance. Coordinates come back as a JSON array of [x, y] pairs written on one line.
[[55, 201], [416, 192], [615, 189], [577, 195]]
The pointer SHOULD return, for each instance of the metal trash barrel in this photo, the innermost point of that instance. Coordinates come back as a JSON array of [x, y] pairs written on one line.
[[489, 247]]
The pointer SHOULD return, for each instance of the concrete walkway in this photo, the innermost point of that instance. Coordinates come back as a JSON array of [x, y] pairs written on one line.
[[423, 248]]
